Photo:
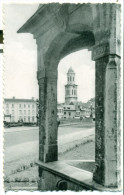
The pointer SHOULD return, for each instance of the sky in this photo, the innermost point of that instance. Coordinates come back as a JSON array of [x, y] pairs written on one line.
[[20, 60]]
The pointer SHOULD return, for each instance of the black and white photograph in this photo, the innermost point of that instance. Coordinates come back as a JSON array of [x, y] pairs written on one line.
[[62, 96]]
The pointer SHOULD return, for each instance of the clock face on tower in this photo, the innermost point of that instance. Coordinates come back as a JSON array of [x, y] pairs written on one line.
[[70, 88]]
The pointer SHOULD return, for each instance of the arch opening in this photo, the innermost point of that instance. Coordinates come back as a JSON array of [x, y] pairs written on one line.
[[64, 44], [75, 104]]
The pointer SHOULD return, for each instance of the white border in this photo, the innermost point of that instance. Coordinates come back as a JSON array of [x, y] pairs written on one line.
[[1, 89]]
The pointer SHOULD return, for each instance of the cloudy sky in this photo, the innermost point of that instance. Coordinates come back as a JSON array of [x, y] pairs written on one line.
[[20, 60]]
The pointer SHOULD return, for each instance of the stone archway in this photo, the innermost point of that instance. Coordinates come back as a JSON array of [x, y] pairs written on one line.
[[59, 30], [62, 45]]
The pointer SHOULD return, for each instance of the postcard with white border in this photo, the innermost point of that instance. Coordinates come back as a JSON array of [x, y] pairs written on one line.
[[62, 96]]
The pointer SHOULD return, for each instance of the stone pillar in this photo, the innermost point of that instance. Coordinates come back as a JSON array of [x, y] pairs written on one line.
[[112, 131], [107, 135], [48, 149]]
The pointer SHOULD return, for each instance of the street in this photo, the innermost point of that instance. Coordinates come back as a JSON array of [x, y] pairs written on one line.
[[23, 141]]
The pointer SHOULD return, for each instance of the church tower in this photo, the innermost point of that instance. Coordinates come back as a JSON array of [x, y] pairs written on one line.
[[70, 88]]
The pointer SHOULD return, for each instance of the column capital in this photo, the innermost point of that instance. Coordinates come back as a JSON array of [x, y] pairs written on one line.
[[43, 75], [100, 50], [113, 61]]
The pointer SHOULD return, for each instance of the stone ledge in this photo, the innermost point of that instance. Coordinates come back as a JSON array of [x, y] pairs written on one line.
[[70, 173]]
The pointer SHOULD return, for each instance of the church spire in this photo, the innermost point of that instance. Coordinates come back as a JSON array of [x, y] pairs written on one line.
[[71, 76], [70, 88]]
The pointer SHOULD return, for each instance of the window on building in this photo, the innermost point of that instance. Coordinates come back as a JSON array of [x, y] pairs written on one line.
[[28, 112], [13, 119], [24, 119], [33, 112], [12, 105], [7, 111], [12, 111], [64, 113], [28, 106], [68, 78], [32, 118], [68, 107], [28, 118], [69, 113], [7, 105], [73, 78], [72, 91], [24, 106], [25, 112], [20, 112], [33, 106], [19, 105]]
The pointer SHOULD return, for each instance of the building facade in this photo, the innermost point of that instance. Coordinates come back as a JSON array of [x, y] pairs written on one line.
[[69, 111], [60, 111], [20, 110]]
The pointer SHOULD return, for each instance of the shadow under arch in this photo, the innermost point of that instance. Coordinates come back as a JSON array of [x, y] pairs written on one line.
[[65, 44]]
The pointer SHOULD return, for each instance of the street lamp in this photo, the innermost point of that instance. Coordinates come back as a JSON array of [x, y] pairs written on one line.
[[91, 114]]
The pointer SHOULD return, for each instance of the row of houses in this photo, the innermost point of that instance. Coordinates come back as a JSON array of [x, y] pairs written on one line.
[[72, 108], [75, 111], [26, 110]]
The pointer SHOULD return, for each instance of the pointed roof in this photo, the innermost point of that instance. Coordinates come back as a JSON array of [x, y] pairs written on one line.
[[71, 103], [70, 70]]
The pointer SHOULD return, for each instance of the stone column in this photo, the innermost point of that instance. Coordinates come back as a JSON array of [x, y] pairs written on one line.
[[48, 149], [107, 135], [112, 129]]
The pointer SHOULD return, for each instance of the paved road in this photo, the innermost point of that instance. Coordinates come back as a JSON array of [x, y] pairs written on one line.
[[22, 141], [19, 135]]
